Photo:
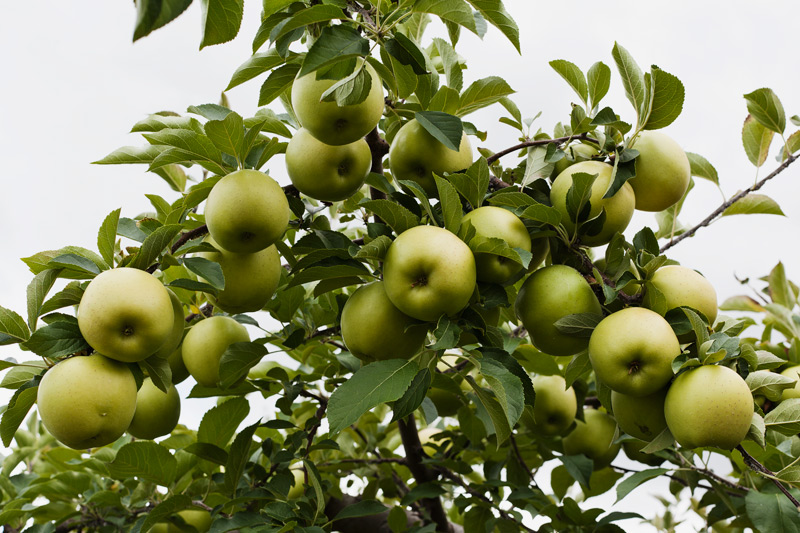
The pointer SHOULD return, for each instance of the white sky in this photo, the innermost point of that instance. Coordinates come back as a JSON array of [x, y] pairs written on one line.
[[73, 84]]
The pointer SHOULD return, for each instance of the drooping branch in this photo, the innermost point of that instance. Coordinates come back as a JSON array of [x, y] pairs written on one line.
[[725, 205], [753, 464]]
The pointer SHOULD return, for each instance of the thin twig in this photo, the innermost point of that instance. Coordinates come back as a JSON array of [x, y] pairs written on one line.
[[540, 142], [753, 463]]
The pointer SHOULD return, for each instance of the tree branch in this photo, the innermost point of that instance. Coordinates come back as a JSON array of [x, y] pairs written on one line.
[[753, 463], [725, 205], [582, 137]]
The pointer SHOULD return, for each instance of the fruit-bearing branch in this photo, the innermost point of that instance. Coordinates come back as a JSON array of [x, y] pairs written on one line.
[[753, 463], [540, 142]]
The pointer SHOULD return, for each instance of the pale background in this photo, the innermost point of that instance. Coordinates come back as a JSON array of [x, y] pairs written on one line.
[[73, 84]]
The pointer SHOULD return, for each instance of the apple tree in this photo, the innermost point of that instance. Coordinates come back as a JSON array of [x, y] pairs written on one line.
[[431, 332]]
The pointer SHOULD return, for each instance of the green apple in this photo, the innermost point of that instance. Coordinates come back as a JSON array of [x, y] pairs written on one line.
[[87, 401], [682, 286], [195, 520], [555, 405], [633, 449], [574, 153], [327, 121], [178, 325], [299, 486], [246, 211], [157, 412], [498, 223], [429, 272], [417, 155], [709, 405], [632, 350], [205, 343], [792, 372], [640, 416], [618, 208], [662, 171], [179, 372], [325, 172], [594, 438], [426, 439], [373, 329], [126, 314], [250, 278], [548, 295]]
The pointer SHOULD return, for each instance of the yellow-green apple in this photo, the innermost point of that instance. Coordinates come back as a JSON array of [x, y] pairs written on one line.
[[640, 416], [618, 208], [417, 155], [574, 153], [633, 449], [329, 122], [709, 405], [662, 171], [205, 343], [373, 329], [632, 350], [299, 486], [548, 295], [325, 172], [250, 278], [593, 437], [246, 211], [447, 390], [157, 412], [194, 521], [179, 372], [126, 314], [426, 439], [496, 222], [429, 272], [555, 405], [87, 401], [792, 372], [178, 325], [682, 286]]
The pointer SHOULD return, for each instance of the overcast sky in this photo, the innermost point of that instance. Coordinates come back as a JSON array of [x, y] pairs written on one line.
[[73, 84]]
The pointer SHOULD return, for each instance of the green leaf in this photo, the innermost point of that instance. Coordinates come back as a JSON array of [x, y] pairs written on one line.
[[446, 128], [407, 53], [599, 81], [482, 93], [107, 236], [701, 168], [393, 214], [632, 77], [668, 95], [256, 65], [413, 397], [785, 418], [131, 155], [451, 205], [496, 14], [220, 21], [506, 386], [542, 213], [772, 512], [450, 62], [220, 422], [36, 292], [361, 508], [448, 10], [334, 44], [578, 366], [60, 338], [81, 267], [158, 122], [497, 415], [153, 245], [579, 193], [237, 360], [573, 76], [536, 165], [209, 452], [764, 105], [159, 371], [756, 140], [633, 481], [165, 509], [579, 324], [277, 82], [15, 413], [472, 184], [780, 289], [187, 146], [153, 14], [210, 271], [375, 249], [579, 467], [754, 204], [351, 90], [70, 295], [228, 135], [310, 15], [146, 460], [373, 384], [769, 384], [238, 457]]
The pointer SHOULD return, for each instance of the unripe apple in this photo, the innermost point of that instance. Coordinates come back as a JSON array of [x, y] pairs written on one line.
[[574, 153], [662, 171], [682, 286], [619, 208], [197, 521], [709, 405], [327, 121], [325, 172], [555, 405], [632, 350], [179, 324], [157, 412], [416, 155], [250, 278], [548, 295], [792, 372], [126, 314], [428, 271], [640, 416], [373, 329], [87, 401], [633, 449], [299, 486], [179, 372], [498, 223], [205, 343], [246, 211], [593, 438]]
